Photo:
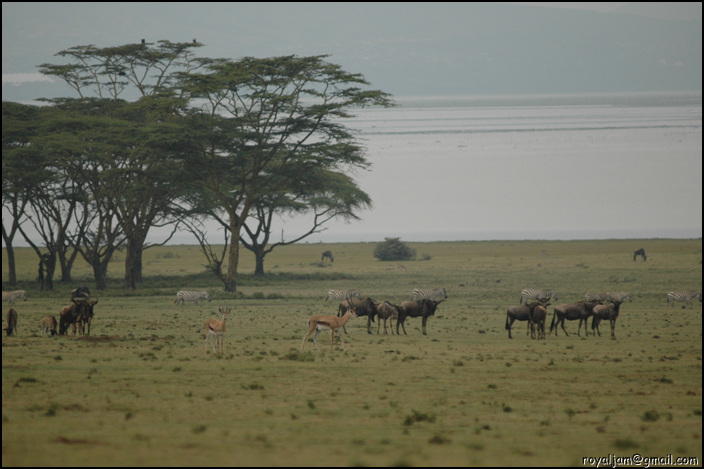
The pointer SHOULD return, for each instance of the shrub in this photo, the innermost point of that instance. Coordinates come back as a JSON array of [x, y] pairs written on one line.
[[392, 249]]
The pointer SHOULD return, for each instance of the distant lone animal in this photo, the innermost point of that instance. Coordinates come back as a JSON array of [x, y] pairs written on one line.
[[639, 252], [49, 326], [11, 322], [327, 254], [328, 323], [184, 295]]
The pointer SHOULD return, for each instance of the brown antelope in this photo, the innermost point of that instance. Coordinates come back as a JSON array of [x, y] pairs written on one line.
[[328, 323], [216, 328], [49, 325]]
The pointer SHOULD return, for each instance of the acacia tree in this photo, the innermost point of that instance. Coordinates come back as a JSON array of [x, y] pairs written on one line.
[[267, 126], [138, 162], [332, 195]]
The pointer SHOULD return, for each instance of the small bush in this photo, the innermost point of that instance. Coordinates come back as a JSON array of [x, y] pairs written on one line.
[[392, 249]]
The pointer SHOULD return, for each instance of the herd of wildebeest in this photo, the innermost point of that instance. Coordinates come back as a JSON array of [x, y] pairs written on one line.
[[533, 308]]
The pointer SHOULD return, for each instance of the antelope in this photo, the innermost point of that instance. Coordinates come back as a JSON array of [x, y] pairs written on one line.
[[325, 323], [49, 325], [217, 330]]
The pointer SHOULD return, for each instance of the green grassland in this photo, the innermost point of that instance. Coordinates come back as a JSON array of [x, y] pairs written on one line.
[[140, 390]]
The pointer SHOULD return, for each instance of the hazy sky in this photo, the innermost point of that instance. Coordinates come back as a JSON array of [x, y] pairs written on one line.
[[420, 49]]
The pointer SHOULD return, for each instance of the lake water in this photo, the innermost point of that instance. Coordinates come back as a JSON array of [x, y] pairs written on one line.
[[526, 167]]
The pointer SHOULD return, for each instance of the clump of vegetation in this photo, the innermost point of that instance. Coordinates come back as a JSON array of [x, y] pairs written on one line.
[[392, 249], [418, 417]]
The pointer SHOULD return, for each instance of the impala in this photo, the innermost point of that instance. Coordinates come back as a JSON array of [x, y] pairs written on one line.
[[216, 328], [325, 323]]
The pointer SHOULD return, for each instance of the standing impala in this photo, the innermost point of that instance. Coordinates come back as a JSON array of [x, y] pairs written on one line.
[[328, 323], [216, 328]]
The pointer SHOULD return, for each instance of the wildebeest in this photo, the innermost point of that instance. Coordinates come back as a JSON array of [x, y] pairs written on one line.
[[80, 292], [572, 312], [639, 252], [49, 325], [522, 313], [386, 311], [11, 321], [363, 307], [327, 254], [79, 311], [537, 320], [608, 311], [424, 308]]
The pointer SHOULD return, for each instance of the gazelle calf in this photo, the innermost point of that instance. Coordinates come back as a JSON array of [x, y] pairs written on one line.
[[328, 323], [49, 325], [216, 329]]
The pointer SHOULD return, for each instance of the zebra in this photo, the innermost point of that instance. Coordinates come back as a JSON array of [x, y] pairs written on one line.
[[342, 295], [685, 295], [431, 294], [619, 296], [193, 296], [600, 297], [12, 296], [533, 294]]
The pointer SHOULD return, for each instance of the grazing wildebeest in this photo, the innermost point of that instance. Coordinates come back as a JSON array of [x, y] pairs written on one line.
[[572, 312], [386, 311], [49, 325], [522, 313], [327, 254], [610, 312], [363, 307], [11, 321], [639, 252], [413, 309]]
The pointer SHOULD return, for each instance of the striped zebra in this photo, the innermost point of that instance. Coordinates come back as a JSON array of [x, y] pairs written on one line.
[[600, 297], [193, 296], [342, 295], [685, 295], [620, 296], [533, 294], [12, 296], [430, 294]]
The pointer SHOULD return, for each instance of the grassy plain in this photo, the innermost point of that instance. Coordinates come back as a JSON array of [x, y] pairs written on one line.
[[139, 390]]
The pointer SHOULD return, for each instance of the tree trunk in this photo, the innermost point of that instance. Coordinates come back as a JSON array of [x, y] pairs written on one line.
[[259, 265], [133, 263], [100, 272], [234, 257], [10, 252]]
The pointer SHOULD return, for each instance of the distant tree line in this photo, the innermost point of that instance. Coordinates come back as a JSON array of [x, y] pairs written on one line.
[[156, 136]]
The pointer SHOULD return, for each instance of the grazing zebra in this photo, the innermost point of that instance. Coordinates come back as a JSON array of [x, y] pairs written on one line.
[[193, 296], [12, 296], [342, 295], [430, 294], [639, 252], [685, 295], [532, 294], [600, 297]]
